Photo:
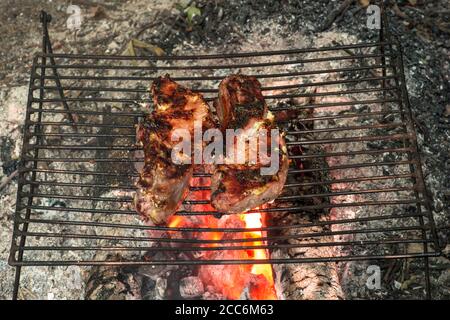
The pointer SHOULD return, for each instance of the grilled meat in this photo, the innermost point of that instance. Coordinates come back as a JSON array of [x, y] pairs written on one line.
[[162, 184], [240, 103], [237, 188]]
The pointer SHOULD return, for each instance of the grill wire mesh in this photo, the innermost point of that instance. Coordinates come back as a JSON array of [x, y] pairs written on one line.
[[353, 129]]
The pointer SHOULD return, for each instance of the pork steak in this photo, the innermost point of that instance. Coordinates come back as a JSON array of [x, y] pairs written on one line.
[[163, 184], [237, 188]]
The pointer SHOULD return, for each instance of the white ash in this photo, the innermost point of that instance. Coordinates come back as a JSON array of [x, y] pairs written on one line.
[[191, 287]]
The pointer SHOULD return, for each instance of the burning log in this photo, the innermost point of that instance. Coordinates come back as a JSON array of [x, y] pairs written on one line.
[[316, 280], [303, 281], [308, 281]]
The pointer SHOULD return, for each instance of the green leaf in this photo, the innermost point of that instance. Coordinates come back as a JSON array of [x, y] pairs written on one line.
[[191, 12]]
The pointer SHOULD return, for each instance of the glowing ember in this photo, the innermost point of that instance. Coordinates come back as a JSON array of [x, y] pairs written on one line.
[[229, 280], [175, 221], [259, 291]]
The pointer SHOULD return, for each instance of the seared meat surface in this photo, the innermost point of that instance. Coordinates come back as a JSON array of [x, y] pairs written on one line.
[[163, 184], [240, 103], [237, 188]]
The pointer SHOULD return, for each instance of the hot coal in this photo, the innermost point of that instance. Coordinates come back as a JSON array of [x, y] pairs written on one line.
[[191, 287]]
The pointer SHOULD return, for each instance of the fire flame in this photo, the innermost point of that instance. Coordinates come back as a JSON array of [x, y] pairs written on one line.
[[229, 280], [264, 272]]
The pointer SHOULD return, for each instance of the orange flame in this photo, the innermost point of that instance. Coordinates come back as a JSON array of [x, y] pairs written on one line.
[[264, 289], [230, 280]]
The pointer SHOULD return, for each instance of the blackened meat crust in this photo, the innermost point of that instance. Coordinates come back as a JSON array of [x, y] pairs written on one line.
[[237, 188], [162, 184]]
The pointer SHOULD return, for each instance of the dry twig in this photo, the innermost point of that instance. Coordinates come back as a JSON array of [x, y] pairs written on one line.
[[334, 14], [8, 179]]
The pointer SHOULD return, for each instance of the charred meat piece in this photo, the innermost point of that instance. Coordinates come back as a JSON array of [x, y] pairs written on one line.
[[163, 184], [237, 188], [240, 103]]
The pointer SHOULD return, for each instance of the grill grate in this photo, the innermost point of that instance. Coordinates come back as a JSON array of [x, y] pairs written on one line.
[[74, 202]]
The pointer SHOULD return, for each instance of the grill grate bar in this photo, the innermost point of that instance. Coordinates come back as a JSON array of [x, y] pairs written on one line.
[[280, 198], [293, 209], [218, 56], [290, 172], [239, 240], [277, 246], [207, 90], [358, 179], [337, 129], [290, 209], [352, 153], [218, 78], [299, 95], [209, 67], [214, 229], [94, 160], [290, 143], [374, 126], [102, 125], [71, 197], [288, 185], [138, 100], [222, 262]]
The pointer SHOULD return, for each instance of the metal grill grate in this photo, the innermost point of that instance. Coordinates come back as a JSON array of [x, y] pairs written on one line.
[[74, 202]]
